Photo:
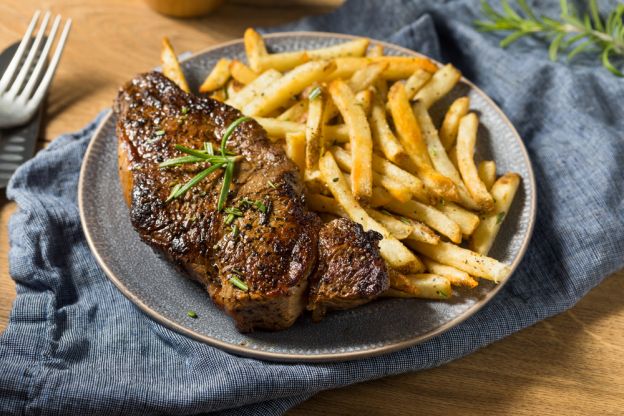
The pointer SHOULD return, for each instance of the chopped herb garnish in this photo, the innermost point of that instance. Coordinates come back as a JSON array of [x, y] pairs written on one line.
[[385, 211], [442, 294], [159, 133], [335, 180], [191, 314], [404, 220], [316, 92], [236, 281], [260, 206], [184, 110], [234, 230], [499, 217], [272, 185], [233, 211], [225, 160]]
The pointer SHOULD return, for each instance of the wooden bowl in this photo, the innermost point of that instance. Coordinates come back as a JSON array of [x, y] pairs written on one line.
[[184, 8]]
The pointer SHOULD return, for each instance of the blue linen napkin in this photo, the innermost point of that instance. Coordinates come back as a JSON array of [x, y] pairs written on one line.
[[76, 346]]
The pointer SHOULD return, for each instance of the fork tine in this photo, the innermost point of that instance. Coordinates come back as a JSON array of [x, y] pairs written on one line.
[[10, 71], [34, 77], [34, 48], [47, 78]]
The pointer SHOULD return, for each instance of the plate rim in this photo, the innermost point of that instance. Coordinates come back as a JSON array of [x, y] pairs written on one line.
[[324, 357]]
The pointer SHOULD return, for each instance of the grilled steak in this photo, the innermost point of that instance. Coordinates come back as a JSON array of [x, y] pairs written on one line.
[[273, 250], [350, 270]]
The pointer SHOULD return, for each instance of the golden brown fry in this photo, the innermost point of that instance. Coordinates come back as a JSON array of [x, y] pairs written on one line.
[[217, 77], [254, 47], [171, 67], [487, 173], [424, 285], [383, 138], [295, 149], [396, 254], [399, 229], [219, 95], [420, 231], [430, 216], [315, 145], [395, 188], [399, 67], [416, 81], [466, 140], [472, 263], [254, 89], [456, 277], [360, 138], [322, 203], [411, 138], [450, 125], [284, 61], [466, 220], [353, 48], [439, 85], [298, 112], [241, 72], [364, 99], [375, 50], [503, 191], [279, 129], [439, 158], [367, 76], [286, 87], [395, 173]]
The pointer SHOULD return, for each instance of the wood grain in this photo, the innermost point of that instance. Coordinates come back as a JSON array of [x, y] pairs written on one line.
[[570, 364]]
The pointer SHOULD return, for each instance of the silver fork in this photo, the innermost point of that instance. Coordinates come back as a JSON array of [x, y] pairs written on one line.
[[23, 87]]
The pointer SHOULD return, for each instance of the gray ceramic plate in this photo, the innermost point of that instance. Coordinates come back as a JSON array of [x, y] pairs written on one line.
[[164, 294]]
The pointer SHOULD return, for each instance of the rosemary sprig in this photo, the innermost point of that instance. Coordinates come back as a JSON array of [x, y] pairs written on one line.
[[573, 33], [225, 160], [236, 281]]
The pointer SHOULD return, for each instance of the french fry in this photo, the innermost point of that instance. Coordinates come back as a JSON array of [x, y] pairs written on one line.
[[217, 77], [375, 50], [279, 129], [295, 149], [254, 89], [487, 173], [298, 112], [315, 145], [424, 285], [395, 173], [439, 85], [450, 124], [466, 140], [455, 276], [367, 76], [395, 188], [469, 261], [354, 48], [381, 86], [171, 67], [428, 215], [291, 84], [396, 254], [284, 61], [503, 191], [399, 67], [439, 158], [466, 220], [383, 138], [411, 138], [322, 203], [254, 47], [360, 138], [241, 72], [420, 231], [416, 81], [233, 87], [397, 228], [364, 99]]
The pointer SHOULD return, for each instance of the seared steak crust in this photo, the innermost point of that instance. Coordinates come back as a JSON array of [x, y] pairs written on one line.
[[273, 253], [350, 271]]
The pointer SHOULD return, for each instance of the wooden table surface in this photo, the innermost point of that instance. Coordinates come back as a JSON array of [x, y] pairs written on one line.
[[567, 365]]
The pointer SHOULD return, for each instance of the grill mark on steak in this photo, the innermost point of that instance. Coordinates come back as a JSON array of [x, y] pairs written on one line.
[[274, 253]]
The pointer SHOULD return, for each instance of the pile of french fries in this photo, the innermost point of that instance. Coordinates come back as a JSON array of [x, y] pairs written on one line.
[[357, 124]]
